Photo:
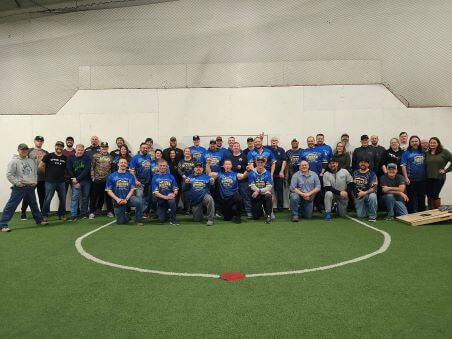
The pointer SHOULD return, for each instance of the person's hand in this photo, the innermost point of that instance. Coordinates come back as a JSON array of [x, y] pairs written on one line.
[[74, 181], [361, 194], [407, 181], [239, 167], [249, 167], [255, 194], [118, 201], [20, 184], [171, 196], [77, 185], [268, 192], [404, 197], [187, 181], [441, 171], [209, 160], [343, 195], [281, 175], [138, 183]]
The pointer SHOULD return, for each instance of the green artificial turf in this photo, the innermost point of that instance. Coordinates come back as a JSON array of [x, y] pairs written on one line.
[[49, 290]]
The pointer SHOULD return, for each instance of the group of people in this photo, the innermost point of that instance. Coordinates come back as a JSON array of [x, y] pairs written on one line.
[[228, 182]]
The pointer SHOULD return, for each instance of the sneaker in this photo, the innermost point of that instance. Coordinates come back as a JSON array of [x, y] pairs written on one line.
[[268, 220], [72, 218], [218, 215], [389, 218], [62, 218], [139, 223], [295, 218], [91, 216], [372, 219], [238, 220], [174, 223], [145, 216], [272, 216], [187, 212], [110, 214], [209, 223], [328, 216], [44, 219], [6, 229], [23, 216], [43, 222], [249, 215]]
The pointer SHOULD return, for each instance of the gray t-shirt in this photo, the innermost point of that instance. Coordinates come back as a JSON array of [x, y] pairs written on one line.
[[395, 182], [32, 155], [338, 180]]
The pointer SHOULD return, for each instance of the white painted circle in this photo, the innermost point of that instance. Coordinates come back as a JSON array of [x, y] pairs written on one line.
[[382, 249]]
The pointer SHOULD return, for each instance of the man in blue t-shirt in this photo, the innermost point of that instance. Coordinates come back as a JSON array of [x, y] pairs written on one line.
[[260, 183], [197, 151], [120, 186], [164, 189], [363, 189], [198, 187], [140, 168], [265, 153], [326, 149]]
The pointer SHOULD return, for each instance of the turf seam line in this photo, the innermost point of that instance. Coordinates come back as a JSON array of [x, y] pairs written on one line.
[[383, 248]]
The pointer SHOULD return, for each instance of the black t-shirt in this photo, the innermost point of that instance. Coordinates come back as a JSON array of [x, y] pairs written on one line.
[[238, 160], [55, 167]]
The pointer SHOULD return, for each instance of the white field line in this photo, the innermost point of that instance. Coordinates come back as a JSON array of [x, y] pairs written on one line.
[[382, 249]]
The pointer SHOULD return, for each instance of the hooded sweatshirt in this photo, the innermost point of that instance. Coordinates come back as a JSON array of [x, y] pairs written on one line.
[[22, 171]]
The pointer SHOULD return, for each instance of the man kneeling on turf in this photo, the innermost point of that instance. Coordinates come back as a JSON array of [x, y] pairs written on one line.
[[260, 183], [336, 182], [121, 187], [164, 189], [393, 188], [198, 188], [305, 184]]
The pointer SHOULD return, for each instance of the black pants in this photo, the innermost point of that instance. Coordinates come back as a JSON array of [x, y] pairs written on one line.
[[416, 194], [98, 196], [278, 185], [261, 201], [215, 193], [319, 199], [232, 206], [433, 187], [41, 188]]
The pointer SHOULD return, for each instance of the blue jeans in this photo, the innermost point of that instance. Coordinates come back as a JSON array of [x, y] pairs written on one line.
[[120, 210], [143, 193], [60, 188], [296, 202], [367, 206], [245, 193], [17, 195], [166, 208], [84, 190], [394, 207]]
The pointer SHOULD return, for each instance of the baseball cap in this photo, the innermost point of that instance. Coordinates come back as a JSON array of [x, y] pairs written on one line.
[[364, 137], [260, 158], [196, 137], [249, 139], [364, 160], [104, 144], [344, 135], [22, 147], [219, 138], [212, 142], [69, 138], [198, 164], [38, 137], [392, 165], [173, 139], [59, 143], [294, 140]]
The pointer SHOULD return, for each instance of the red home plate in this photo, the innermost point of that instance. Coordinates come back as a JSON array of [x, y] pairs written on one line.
[[232, 276]]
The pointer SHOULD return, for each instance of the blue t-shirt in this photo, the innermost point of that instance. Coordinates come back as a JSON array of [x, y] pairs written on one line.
[[141, 165], [364, 181], [267, 154], [198, 152], [326, 150], [414, 161], [199, 187], [315, 158], [217, 157], [163, 183], [228, 184], [259, 179], [154, 167], [120, 184]]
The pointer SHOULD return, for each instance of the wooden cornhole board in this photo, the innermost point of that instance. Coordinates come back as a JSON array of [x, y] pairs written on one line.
[[426, 217]]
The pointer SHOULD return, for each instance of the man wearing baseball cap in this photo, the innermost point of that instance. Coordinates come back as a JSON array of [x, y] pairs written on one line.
[[36, 154], [23, 175], [54, 166], [393, 189], [260, 183], [250, 146], [366, 151], [173, 146], [197, 151], [337, 182], [363, 189]]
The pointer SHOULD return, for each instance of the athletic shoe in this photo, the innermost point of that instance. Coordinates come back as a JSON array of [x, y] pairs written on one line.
[[43, 222], [72, 218], [110, 215], [91, 216], [218, 215], [62, 218], [44, 219], [238, 220], [372, 219], [23, 216], [328, 216], [145, 216], [272, 216], [389, 218], [139, 223], [6, 229], [209, 223], [268, 220], [295, 218], [174, 223], [249, 215]]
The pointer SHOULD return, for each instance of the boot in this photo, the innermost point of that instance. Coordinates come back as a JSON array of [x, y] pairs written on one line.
[[436, 203]]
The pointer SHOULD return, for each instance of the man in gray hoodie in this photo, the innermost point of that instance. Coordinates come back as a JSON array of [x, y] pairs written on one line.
[[22, 174]]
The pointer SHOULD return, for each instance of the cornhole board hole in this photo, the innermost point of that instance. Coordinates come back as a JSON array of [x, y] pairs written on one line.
[[426, 217]]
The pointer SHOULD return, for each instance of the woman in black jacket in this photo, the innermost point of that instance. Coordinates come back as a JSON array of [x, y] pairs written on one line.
[[392, 155]]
